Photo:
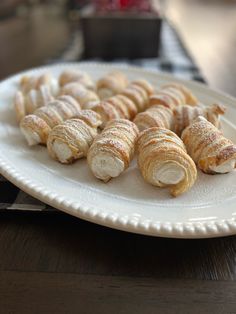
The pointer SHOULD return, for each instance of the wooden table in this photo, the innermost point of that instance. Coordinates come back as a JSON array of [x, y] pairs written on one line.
[[55, 263]]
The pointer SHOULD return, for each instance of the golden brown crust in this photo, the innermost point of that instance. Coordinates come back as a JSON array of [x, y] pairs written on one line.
[[80, 93], [19, 106], [132, 110], [190, 99], [34, 124], [184, 115], [119, 106], [158, 116], [111, 84], [71, 76], [91, 117], [27, 83], [211, 151], [71, 140], [51, 115], [144, 85], [114, 147], [173, 95], [162, 153], [106, 111]]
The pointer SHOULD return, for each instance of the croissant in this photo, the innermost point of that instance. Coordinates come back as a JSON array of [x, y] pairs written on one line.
[[112, 150], [158, 116], [87, 98], [173, 95], [211, 151], [111, 84], [71, 140], [163, 161], [75, 76], [36, 127], [184, 115], [32, 82]]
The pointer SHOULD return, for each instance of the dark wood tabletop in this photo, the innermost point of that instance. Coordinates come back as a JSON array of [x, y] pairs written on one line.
[[51, 262]]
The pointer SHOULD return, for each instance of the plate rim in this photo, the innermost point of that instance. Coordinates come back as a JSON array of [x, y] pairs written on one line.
[[187, 230]]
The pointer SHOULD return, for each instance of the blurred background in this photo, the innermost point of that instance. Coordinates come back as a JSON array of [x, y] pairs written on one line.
[[190, 38]]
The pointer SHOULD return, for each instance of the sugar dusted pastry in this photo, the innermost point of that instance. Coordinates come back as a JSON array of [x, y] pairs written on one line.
[[19, 106], [173, 95], [125, 105], [163, 161], [190, 99], [129, 104], [184, 115], [138, 94], [112, 150], [87, 98], [27, 103], [144, 85], [111, 84], [34, 82], [36, 127], [80, 77], [113, 108], [71, 140], [211, 151], [158, 116]]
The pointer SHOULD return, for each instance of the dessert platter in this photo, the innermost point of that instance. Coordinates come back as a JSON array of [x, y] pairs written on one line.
[[123, 147]]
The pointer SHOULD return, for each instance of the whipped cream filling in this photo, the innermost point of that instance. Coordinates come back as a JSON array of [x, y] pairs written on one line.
[[31, 137], [104, 167], [169, 173], [62, 151], [225, 167]]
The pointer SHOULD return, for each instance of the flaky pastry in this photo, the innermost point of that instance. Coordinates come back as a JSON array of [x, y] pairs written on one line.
[[211, 151], [158, 116], [36, 127], [87, 98], [111, 84], [76, 76], [173, 95], [163, 161], [71, 140], [113, 149]]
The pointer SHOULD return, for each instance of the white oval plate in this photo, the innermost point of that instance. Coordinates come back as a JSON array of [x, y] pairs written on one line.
[[125, 203]]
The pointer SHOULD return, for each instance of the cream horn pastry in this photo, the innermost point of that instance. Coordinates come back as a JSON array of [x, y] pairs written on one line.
[[184, 116], [19, 106], [27, 103], [138, 94], [126, 105], [36, 127], [190, 99], [87, 98], [173, 95], [76, 76], [71, 140], [113, 108], [34, 82], [155, 116], [113, 149], [163, 161], [111, 84], [211, 151]]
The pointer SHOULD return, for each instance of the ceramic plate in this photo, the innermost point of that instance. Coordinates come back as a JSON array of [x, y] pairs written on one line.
[[125, 203]]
